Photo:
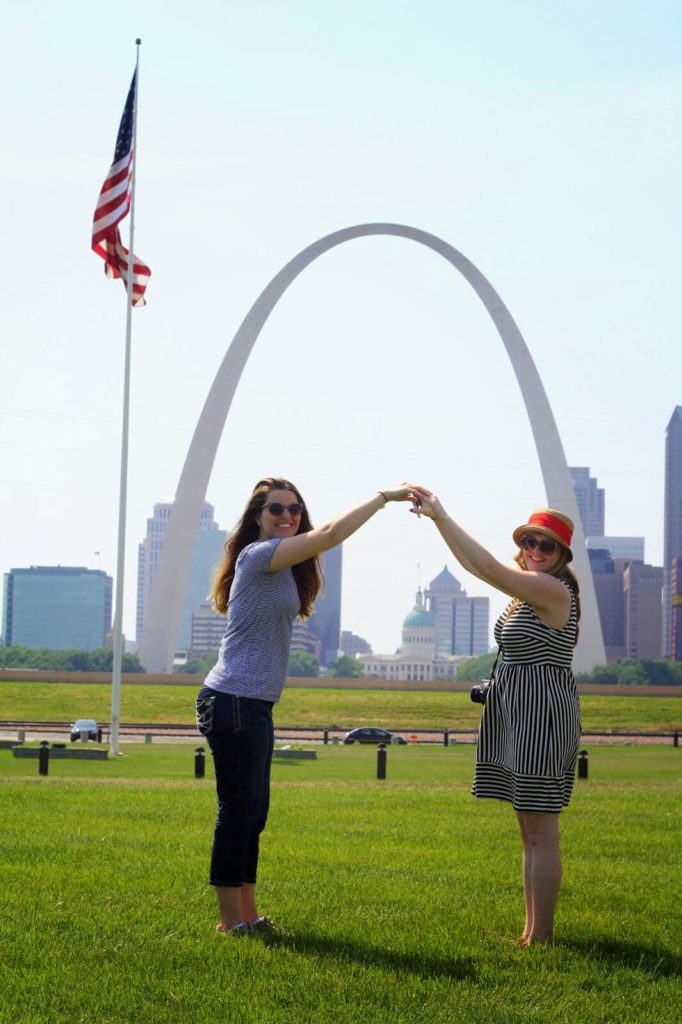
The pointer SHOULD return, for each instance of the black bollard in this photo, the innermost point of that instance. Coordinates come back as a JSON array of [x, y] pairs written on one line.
[[446, 738], [381, 761], [199, 763], [582, 764], [326, 736], [44, 757], [99, 734], [676, 739]]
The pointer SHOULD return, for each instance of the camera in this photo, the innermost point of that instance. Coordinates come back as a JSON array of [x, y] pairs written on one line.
[[479, 692]]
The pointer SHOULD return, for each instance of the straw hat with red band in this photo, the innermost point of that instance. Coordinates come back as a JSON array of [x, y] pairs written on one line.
[[552, 524]]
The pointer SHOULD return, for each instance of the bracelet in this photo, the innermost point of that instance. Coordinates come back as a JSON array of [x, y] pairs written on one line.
[[384, 497]]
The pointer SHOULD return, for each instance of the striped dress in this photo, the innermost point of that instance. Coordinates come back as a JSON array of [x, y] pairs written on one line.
[[530, 730]]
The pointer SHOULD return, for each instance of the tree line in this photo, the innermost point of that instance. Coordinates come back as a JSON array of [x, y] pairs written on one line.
[[40, 658], [627, 671]]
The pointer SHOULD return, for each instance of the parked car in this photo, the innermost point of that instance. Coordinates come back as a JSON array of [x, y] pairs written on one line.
[[370, 734], [88, 725]]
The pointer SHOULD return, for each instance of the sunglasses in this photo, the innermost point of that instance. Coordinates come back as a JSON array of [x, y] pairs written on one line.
[[545, 547], [276, 508]]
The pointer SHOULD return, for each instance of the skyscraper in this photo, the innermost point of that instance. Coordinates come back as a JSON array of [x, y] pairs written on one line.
[[676, 632], [631, 548], [590, 500], [607, 574], [58, 607], [208, 549], [642, 585], [325, 622], [672, 524], [461, 622]]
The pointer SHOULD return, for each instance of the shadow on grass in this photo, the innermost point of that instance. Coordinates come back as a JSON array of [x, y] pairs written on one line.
[[634, 955], [425, 966]]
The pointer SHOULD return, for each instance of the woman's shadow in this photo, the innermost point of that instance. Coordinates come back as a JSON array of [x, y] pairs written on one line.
[[653, 960], [424, 965]]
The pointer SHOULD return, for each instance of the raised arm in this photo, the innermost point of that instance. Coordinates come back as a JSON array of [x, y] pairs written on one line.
[[292, 550], [546, 594]]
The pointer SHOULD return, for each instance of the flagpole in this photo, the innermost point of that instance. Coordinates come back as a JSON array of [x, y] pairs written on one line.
[[123, 486]]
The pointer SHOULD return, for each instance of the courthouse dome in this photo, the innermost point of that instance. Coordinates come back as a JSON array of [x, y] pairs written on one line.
[[419, 615]]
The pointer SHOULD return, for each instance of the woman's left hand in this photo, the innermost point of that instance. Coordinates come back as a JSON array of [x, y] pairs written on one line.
[[425, 503], [405, 492]]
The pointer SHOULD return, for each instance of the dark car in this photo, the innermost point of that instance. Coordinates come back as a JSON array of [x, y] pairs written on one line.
[[88, 725], [370, 734]]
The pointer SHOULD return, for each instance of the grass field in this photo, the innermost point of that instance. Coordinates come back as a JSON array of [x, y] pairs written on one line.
[[406, 709], [400, 900]]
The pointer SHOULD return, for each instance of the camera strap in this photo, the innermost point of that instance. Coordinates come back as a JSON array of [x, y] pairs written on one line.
[[500, 650]]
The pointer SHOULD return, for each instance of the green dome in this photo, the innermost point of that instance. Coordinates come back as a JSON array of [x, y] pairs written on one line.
[[418, 617]]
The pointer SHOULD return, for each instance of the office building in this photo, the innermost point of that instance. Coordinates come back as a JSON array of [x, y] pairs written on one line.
[[58, 607], [676, 618], [460, 622], [208, 549], [629, 601], [590, 499], [303, 639], [672, 522], [352, 644], [208, 628], [607, 574], [619, 547], [325, 622], [642, 592]]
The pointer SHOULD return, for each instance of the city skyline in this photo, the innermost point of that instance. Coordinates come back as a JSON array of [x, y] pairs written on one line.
[[543, 144]]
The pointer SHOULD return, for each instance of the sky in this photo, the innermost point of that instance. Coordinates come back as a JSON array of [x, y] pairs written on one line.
[[541, 139]]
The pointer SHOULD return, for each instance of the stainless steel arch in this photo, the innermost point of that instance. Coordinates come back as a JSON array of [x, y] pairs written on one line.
[[163, 612]]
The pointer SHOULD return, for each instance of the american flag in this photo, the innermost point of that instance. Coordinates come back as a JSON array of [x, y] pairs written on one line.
[[114, 203]]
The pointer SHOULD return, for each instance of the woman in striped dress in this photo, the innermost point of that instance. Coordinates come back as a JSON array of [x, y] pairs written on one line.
[[530, 729]]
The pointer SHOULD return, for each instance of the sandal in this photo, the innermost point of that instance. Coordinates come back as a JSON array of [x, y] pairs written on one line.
[[263, 925], [238, 930]]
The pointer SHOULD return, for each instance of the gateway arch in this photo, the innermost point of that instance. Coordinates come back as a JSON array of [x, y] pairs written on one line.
[[162, 616]]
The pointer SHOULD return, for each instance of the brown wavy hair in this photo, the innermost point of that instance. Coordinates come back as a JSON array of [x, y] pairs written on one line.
[[562, 572], [307, 575]]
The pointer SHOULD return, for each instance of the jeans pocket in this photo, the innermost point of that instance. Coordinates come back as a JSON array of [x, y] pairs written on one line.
[[205, 711]]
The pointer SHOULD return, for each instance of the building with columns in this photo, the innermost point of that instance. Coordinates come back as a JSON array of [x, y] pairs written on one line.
[[417, 658]]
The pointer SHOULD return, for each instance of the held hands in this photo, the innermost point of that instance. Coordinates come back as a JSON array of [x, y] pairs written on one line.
[[424, 502], [406, 492]]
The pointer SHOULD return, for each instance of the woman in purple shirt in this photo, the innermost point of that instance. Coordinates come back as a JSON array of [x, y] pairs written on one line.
[[269, 574]]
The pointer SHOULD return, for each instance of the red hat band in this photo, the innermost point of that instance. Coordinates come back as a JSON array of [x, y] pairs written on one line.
[[553, 523]]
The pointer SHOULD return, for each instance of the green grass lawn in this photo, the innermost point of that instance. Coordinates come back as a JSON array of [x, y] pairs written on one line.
[[400, 899], [404, 709]]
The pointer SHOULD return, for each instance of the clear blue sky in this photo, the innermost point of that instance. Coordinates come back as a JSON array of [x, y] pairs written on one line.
[[542, 139]]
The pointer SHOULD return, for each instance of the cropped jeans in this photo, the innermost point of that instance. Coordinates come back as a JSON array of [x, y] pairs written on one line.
[[241, 736]]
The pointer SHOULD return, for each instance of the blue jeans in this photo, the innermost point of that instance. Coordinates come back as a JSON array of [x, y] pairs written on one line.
[[241, 736]]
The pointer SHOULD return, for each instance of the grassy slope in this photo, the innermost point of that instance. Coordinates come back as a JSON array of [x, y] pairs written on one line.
[[345, 708]]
